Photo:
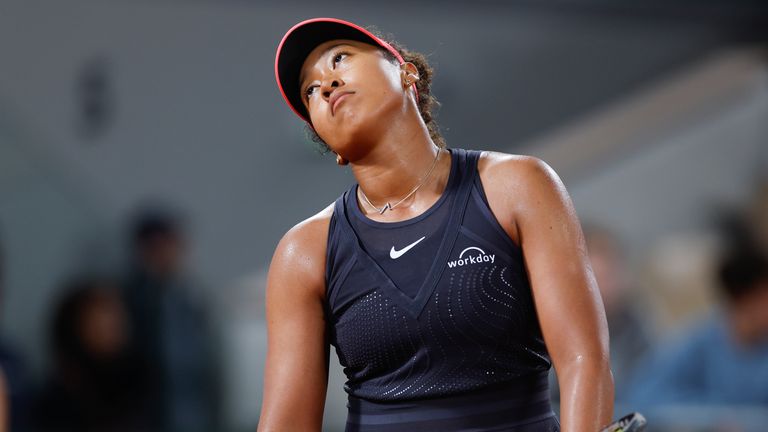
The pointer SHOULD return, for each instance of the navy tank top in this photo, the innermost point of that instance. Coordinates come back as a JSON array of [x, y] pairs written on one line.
[[433, 318]]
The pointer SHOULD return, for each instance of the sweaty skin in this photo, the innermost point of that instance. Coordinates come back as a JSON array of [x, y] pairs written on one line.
[[377, 127], [4, 408]]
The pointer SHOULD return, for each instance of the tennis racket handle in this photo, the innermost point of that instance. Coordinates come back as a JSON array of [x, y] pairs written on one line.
[[633, 422]]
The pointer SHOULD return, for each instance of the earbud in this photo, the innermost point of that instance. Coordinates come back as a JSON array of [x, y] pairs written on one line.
[[410, 79]]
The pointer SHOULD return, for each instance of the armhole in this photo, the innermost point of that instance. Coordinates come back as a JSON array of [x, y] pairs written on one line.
[[330, 249], [482, 203]]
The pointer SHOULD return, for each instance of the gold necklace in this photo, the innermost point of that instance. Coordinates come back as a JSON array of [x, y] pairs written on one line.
[[389, 206]]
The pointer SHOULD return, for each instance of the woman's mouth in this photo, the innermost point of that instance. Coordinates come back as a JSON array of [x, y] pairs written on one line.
[[335, 101]]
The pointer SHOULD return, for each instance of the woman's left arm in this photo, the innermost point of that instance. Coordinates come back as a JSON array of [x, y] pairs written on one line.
[[565, 292]]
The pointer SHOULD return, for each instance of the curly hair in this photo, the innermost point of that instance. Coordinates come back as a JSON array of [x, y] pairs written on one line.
[[426, 103]]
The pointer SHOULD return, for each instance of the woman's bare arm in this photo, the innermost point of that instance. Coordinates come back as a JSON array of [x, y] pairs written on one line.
[[565, 292], [296, 372], [4, 420]]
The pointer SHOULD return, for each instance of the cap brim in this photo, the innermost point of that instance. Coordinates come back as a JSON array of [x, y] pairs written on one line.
[[304, 37]]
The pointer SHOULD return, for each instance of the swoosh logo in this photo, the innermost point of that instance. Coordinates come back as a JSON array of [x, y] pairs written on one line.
[[395, 254]]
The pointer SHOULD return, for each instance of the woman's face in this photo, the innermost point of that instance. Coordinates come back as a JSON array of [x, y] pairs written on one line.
[[350, 89]]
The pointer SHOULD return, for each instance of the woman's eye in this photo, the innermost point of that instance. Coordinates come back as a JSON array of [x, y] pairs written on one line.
[[339, 56], [308, 92]]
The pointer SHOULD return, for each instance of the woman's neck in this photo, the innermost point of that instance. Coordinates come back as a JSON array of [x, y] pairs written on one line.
[[397, 164]]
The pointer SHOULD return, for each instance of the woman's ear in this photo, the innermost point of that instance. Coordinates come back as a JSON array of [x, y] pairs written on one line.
[[409, 73]]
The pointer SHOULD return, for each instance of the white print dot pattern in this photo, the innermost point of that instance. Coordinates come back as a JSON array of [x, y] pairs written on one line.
[[479, 328]]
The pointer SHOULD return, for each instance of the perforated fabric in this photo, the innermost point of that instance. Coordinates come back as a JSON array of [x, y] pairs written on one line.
[[452, 316]]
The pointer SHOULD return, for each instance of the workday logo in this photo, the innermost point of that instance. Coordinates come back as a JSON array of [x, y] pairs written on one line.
[[471, 257]]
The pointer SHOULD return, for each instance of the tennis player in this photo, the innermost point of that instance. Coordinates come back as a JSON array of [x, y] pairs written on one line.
[[448, 281]]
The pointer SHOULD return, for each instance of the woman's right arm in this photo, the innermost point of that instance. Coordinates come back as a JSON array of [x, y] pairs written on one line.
[[296, 371]]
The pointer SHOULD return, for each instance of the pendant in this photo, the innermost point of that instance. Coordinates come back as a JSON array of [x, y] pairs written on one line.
[[385, 208]]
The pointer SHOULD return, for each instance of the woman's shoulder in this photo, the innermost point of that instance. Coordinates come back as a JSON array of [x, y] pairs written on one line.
[[515, 185], [311, 233], [493, 162], [301, 250], [515, 172]]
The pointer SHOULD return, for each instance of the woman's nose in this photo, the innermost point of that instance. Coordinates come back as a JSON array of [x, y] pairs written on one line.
[[329, 86]]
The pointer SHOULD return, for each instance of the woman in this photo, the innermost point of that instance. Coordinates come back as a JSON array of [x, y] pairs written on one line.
[[446, 279]]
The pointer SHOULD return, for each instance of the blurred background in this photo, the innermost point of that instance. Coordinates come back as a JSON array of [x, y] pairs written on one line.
[[148, 168]]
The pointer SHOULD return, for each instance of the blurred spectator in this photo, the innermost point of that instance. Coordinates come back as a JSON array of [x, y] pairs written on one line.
[[629, 336], [678, 279], [171, 326], [12, 366], [758, 214], [96, 384], [724, 359]]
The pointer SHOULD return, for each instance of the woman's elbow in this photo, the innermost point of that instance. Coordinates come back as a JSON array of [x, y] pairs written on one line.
[[594, 362]]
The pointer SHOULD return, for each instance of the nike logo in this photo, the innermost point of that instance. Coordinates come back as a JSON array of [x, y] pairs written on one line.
[[395, 254]]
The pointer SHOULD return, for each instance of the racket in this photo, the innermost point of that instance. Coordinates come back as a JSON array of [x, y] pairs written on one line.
[[634, 422]]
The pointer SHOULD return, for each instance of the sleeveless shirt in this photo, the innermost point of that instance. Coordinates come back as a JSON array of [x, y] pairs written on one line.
[[432, 317]]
